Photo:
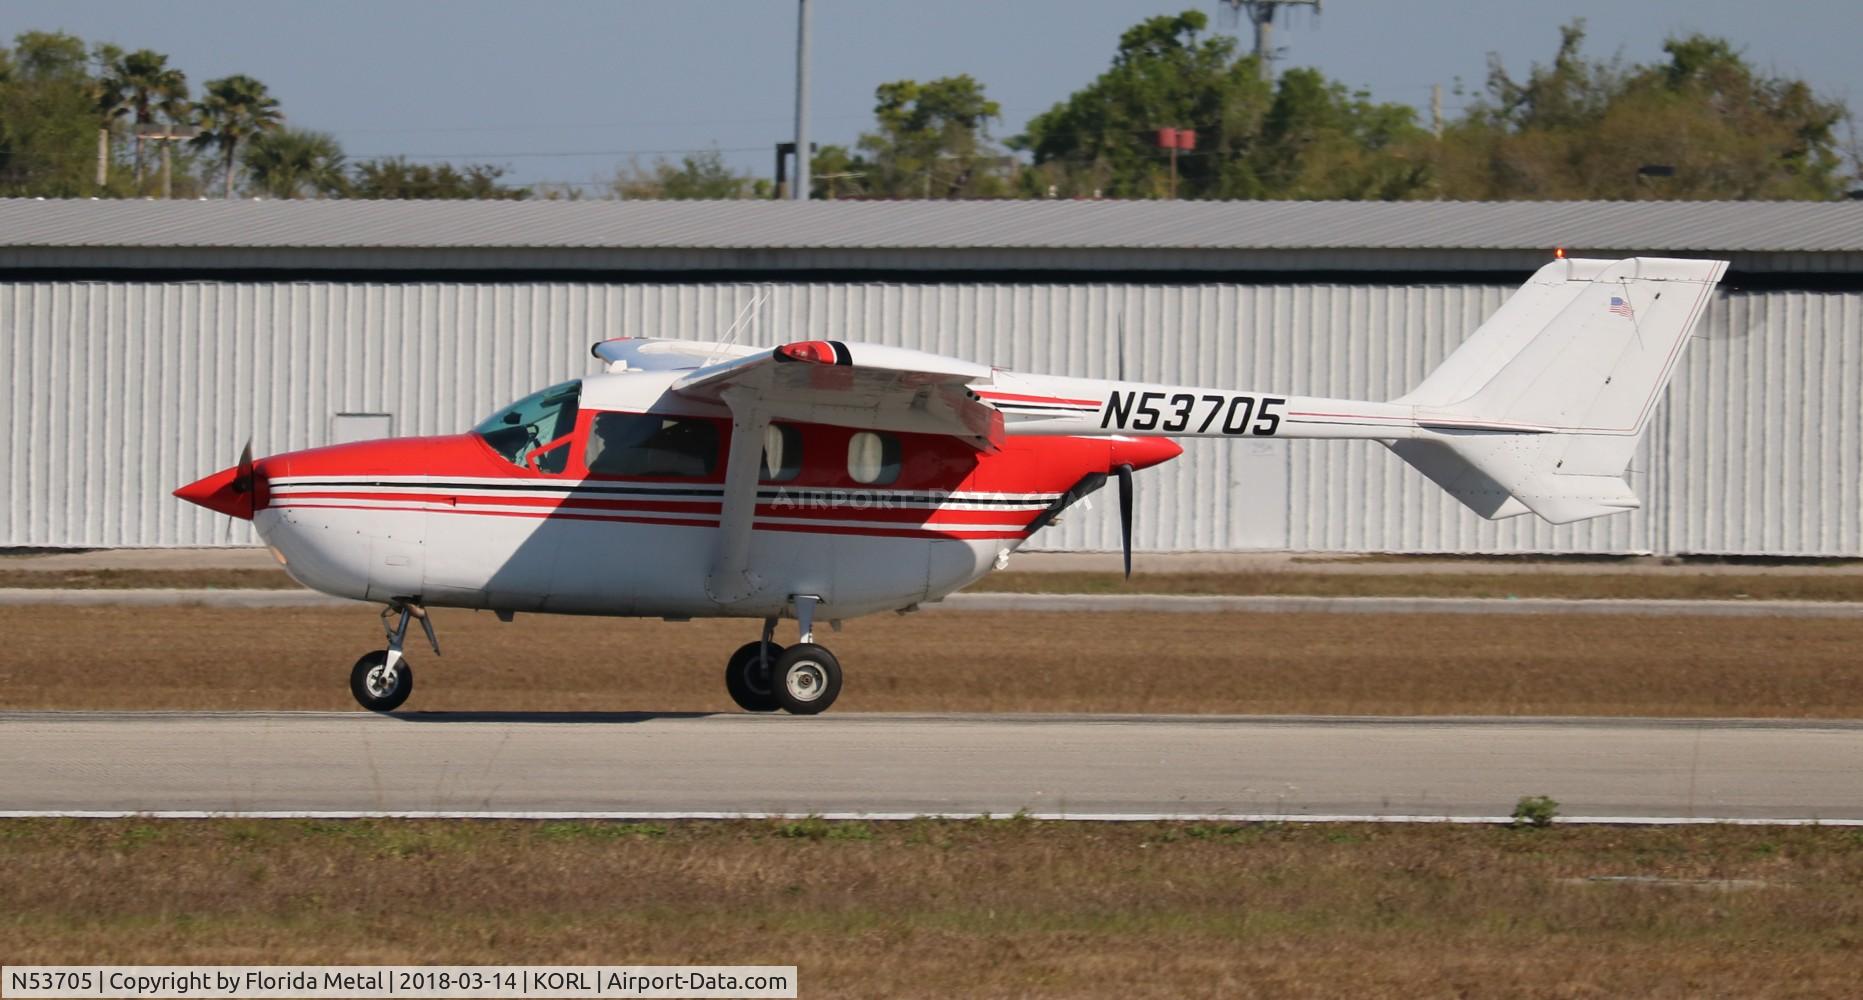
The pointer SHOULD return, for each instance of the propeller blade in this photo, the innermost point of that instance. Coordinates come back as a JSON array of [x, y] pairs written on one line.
[[242, 480], [1125, 513], [1119, 338], [242, 483]]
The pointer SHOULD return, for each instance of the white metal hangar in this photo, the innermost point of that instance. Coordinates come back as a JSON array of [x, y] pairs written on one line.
[[145, 341]]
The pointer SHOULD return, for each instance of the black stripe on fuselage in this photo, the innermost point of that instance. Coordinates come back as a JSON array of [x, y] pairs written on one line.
[[789, 493], [1044, 407], [543, 486]]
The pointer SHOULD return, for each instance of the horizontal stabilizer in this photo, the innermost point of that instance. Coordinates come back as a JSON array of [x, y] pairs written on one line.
[[1459, 478]]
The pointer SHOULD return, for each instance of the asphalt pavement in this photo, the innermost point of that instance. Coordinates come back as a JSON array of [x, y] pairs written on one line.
[[1081, 767]]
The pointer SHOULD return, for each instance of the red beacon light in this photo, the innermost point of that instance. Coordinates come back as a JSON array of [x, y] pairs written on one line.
[[1558, 253], [815, 352]]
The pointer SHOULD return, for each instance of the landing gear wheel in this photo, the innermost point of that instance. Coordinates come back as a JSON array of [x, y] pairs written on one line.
[[748, 680], [374, 688], [806, 679]]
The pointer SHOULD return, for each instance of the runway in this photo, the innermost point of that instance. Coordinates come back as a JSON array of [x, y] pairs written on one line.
[[1080, 767]]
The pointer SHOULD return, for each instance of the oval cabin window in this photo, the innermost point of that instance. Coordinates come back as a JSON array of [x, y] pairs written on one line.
[[782, 453], [872, 459]]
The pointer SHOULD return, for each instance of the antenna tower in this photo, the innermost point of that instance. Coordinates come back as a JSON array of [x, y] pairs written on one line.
[[1260, 13]]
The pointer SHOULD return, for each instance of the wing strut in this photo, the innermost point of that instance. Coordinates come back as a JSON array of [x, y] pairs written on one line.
[[731, 579]]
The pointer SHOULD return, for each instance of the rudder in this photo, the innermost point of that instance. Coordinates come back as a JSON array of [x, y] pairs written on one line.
[[1556, 392]]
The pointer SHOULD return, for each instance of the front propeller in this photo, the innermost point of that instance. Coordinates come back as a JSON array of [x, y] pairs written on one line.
[[242, 477], [231, 491]]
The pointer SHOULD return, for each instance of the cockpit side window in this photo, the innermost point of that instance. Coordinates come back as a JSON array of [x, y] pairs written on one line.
[[533, 422], [649, 444]]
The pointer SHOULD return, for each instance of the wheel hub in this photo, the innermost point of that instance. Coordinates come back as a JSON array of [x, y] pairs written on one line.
[[804, 681]]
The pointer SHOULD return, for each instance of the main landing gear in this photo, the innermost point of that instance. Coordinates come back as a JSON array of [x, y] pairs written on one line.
[[803, 679], [382, 679]]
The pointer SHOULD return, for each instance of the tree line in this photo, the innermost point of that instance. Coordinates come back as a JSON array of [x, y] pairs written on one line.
[[1700, 123], [79, 121]]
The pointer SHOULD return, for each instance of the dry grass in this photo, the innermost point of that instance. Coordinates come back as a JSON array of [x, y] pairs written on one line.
[[1004, 908], [216, 658], [1666, 585], [1653, 586], [154, 579]]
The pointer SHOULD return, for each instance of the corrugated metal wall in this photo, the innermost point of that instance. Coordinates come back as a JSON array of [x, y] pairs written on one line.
[[121, 391]]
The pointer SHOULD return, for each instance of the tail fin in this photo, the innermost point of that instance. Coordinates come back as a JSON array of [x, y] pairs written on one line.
[[1541, 409]]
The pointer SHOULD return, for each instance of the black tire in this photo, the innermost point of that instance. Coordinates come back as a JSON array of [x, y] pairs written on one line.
[[747, 685], [374, 699], [806, 679]]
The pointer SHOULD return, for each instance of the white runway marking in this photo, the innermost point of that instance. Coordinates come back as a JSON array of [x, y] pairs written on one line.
[[643, 817]]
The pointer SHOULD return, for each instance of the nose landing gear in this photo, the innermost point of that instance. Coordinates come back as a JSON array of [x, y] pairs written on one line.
[[382, 679], [803, 679]]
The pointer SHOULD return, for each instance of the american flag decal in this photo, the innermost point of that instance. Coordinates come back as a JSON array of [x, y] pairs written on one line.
[[1621, 307]]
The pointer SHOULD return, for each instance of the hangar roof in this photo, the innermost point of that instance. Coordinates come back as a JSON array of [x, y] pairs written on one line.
[[1065, 235]]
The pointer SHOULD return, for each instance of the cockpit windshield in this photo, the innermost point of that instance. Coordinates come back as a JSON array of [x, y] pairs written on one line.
[[532, 422]]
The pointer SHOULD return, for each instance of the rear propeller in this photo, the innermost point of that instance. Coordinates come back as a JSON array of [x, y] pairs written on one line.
[[1124, 472]]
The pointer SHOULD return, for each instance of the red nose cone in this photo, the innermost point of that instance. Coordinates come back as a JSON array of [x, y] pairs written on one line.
[[221, 492], [1142, 453]]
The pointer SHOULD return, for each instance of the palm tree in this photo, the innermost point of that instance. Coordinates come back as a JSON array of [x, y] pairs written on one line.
[[283, 163], [111, 103], [233, 110], [149, 87]]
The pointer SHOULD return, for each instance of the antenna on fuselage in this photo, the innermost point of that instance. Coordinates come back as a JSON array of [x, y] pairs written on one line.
[[745, 314], [1119, 344]]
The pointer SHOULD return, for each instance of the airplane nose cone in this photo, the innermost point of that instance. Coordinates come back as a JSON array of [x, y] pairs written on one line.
[[222, 492], [1142, 453]]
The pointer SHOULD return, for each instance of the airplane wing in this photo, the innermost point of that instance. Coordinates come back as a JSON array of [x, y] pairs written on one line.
[[855, 385], [647, 354], [869, 386]]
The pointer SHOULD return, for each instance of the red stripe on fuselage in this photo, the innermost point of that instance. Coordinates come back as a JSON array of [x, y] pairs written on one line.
[[877, 530], [802, 508], [1010, 397]]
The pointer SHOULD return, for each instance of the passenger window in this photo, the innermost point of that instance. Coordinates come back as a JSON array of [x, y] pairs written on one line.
[[646, 444], [873, 459], [782, 453]]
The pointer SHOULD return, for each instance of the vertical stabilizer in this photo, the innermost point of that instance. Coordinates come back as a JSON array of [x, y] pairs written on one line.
[[1545, 404]]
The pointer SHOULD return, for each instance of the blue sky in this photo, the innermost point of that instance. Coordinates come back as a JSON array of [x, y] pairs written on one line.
[[564, 90]]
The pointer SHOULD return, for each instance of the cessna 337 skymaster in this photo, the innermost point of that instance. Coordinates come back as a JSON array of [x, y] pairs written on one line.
[[825, 480]]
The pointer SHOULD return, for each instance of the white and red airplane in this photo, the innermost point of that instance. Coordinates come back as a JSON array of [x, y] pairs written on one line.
[[824, 480]]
